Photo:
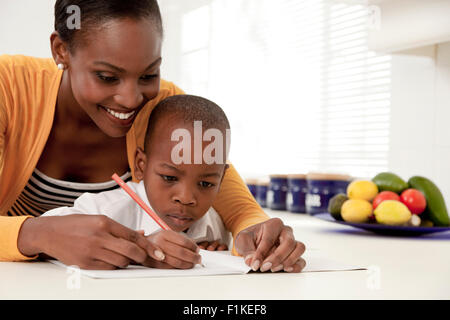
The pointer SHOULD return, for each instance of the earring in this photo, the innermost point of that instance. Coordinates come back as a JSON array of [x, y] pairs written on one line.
[[61, 66]]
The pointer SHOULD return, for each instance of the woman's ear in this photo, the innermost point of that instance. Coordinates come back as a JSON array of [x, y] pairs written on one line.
[[59, 49], [140, 162]]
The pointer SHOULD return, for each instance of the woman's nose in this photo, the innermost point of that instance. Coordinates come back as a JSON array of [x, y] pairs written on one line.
[[129, 95]]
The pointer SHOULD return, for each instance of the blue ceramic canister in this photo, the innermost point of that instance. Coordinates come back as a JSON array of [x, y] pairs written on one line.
[[321, 188], [261, 192], [252, 186], [297, 191], [276, 195]]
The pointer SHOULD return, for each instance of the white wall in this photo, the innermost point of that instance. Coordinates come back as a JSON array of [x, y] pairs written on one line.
[[420, 131], [25, 27], [420, 114]]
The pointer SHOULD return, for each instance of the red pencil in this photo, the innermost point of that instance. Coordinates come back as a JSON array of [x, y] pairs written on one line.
[[141, 203]]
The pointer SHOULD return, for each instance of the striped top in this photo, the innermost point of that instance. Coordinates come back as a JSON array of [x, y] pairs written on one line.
[[43, 193]]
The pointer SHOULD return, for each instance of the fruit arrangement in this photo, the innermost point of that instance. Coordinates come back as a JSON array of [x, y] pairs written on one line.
[[388, 199]]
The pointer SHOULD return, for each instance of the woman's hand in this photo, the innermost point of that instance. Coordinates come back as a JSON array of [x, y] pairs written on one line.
[[212, 246], [270, 245], [180, 252], [88, 241]]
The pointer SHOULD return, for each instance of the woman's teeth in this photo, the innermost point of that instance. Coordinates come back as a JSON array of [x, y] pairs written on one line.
[[118, 115]]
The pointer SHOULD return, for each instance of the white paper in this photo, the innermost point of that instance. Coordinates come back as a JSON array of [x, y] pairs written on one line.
[[318, 262], [215, 263]]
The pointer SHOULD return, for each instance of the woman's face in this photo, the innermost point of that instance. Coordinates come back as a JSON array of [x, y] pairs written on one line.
[[114, 72]]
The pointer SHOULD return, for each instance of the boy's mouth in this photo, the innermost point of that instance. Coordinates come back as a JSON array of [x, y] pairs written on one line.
[[179, 220]]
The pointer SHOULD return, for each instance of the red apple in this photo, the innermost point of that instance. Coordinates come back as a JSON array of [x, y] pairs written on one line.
[[384, 195], [414, 200]]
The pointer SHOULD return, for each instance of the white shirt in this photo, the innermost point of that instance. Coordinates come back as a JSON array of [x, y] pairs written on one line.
[[119, 206]]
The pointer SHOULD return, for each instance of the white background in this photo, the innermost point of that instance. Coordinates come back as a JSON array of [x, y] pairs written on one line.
[[419, 139]]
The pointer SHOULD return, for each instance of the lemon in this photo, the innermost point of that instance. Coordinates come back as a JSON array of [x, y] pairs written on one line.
[[362, 189], [356, 210], [392, 212]]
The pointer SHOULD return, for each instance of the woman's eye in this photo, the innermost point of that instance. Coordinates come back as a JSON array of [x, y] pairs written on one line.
[[205, 184], [149, 77], [168, 178], [106, 78]]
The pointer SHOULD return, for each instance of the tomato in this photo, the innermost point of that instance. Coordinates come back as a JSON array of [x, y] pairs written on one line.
[[384, 195], [414, 200]]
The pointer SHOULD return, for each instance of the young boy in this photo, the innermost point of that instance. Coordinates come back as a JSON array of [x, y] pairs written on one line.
[[180, 172]]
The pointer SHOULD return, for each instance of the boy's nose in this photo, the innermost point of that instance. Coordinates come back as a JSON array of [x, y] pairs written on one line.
[[185, 197]]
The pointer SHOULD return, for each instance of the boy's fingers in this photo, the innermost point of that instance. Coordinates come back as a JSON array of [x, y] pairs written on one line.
[[178, 263], [213, 246], [181, 253], [222, 247], [203, 245], [181, 240]]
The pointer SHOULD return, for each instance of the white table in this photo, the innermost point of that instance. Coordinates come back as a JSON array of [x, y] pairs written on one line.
[[399, 268]]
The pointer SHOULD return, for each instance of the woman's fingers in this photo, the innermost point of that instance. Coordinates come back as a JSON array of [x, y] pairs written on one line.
[[269, 235], [246, 246], [298, 266], [286, 254], [129, 243]]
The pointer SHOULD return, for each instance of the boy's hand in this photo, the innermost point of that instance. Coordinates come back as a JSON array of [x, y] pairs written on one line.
[[180, 252], [212, 246], [271, 245]]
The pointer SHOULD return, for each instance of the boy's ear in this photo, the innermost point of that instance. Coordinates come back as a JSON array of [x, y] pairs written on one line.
[[140, 161]]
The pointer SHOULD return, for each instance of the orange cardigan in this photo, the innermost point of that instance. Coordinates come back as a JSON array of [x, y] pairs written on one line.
[[28, 91]]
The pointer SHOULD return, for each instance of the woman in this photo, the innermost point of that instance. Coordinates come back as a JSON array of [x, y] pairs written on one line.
[[64, 130]]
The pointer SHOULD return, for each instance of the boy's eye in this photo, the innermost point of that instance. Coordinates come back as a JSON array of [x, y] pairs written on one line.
[[168, 178], [106, 78], [205, 184]]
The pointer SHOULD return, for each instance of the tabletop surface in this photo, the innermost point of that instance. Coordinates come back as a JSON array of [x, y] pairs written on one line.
[[397, 268]]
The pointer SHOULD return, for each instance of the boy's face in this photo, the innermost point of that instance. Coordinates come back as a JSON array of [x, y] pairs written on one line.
[[179, 193]]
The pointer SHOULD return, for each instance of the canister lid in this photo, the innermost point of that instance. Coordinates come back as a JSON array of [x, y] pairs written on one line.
[[251, 181], [297, 176], [327, 176], [282, 176], [263, 181]]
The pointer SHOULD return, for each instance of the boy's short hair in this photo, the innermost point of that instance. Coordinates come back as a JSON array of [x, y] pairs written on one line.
[[188, 108]]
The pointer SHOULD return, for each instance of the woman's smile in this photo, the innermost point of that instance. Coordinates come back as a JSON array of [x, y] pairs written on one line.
[[123, 119]]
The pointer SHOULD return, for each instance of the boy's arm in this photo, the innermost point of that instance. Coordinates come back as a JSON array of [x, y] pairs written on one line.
[[236, 205]]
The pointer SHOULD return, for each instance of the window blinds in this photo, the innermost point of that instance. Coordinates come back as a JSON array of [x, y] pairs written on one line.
[[297, 81]]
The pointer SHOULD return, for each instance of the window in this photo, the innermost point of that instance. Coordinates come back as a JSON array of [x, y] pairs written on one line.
[[296, 79]]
